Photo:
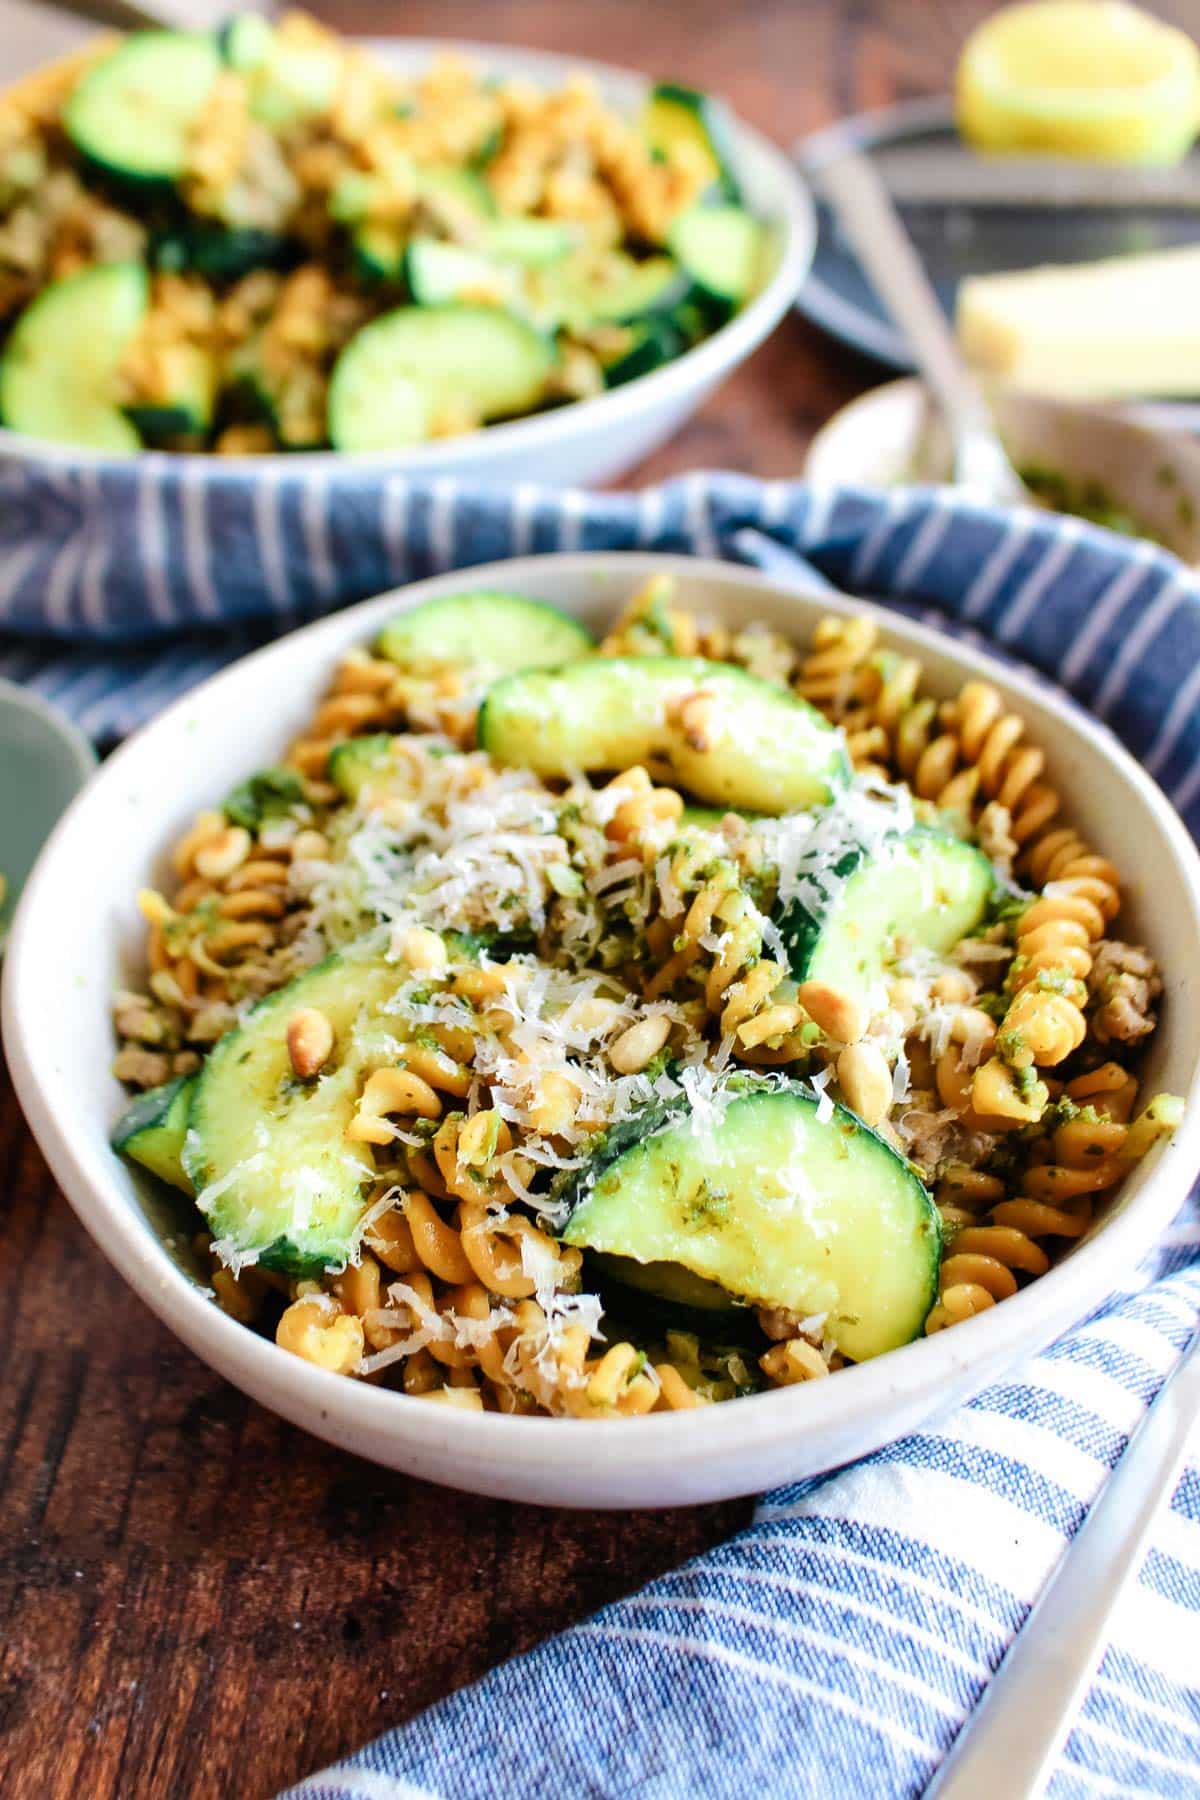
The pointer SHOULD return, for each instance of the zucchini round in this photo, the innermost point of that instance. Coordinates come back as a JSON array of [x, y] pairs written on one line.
[[926, 890], [675, 115], [485, 634], [153, 1127], [745, 744], [397, 375], [58, 374], [287, 1183], [775, 1203], [135, 110], [722, 250]]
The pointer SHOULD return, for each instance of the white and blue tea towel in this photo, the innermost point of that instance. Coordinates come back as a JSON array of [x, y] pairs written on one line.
[[835, 1647]]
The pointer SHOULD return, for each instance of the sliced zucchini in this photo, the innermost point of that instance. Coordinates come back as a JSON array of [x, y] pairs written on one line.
[[461, 197], [488, 634], [459, 190], [744, 743], [652, 344], [134, 111], [152, 1129], [184, 408], [774, 1204], [646, 1301], [530, 243], [681, 115], [377, 248], [620, 292], [264, 798], [360, 763], [400, 373], [925, 890], [58, 375], [670, 1282], [437, 273], [245, 42], [723, 249], [221, 252], [297, 79], [287, 1184]]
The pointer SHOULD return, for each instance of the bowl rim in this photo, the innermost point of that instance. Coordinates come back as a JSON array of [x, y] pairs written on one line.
[[489, 1442], [793, 211]]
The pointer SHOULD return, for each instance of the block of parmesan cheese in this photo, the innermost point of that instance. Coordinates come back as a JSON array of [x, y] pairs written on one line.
[[1128, 325]]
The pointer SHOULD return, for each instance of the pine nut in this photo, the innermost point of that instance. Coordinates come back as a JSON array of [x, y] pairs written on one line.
[[794, 1361], [635, 1047], [866, 1082], [839, 1015], [309, 1041], [310, 846], [696, 717], [422, 949]]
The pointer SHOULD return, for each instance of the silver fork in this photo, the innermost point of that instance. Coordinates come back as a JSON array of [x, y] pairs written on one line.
[[1012, 1740]]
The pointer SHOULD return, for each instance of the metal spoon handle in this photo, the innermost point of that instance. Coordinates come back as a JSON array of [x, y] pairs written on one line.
[[866, 214], [1019, 1727]]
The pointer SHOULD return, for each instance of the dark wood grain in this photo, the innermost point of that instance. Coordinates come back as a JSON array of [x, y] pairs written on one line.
[[196, 1599]]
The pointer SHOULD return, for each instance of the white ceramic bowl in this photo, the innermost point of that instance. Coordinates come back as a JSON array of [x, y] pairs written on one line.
[[77, 933], [589, 440], [1144, 464]]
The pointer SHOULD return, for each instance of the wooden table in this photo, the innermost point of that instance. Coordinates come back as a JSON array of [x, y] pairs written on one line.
[[196, 1599]]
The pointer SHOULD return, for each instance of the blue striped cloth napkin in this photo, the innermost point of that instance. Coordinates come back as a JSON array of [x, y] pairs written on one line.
[[836, 1646]]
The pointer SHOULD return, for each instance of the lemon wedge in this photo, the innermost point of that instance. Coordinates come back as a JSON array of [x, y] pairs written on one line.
[[1089, 78]]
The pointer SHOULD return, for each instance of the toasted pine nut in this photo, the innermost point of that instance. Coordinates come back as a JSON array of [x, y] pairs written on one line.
[[391, 1091], [952, 985], [696, 717], [310, 846], [635, 1047], [422, 949], [466, 1399], [866, 1081], [309, 1041], [839, 1015], [221, 854], [555, 1103]]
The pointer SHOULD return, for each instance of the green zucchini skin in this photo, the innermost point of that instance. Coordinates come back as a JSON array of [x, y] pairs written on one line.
[[152, 1130], [655, 343], [221, 252], [926, 886], [765, 750], [288, 1185], [650, 1299], [775, 1204], [488, 633]]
